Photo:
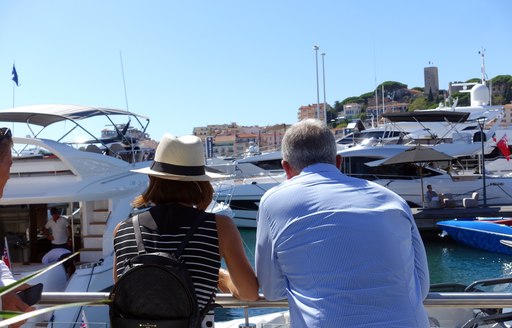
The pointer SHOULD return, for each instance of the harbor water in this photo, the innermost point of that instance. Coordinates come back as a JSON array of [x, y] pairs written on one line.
[[449, 262]]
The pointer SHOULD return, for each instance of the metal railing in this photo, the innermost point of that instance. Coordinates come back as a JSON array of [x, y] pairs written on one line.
[[433, 300]]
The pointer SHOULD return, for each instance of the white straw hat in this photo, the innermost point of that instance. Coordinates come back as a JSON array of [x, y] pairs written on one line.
[[178, 159]]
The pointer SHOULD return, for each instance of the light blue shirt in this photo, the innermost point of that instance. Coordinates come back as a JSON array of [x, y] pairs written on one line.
[[345, 252]]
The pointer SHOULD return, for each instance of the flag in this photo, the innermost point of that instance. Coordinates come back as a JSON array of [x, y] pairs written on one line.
[[5, 255], [503, 147], [14, 75], [84, 323]]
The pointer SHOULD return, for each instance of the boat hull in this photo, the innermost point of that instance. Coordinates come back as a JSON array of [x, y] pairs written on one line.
[[484, 235]]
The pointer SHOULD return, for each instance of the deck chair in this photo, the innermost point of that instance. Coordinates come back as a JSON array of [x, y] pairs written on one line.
[[447, 200], [117, 151], [471, 202], [93, 149]]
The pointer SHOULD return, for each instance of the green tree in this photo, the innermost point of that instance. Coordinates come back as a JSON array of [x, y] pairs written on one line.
[[338, 106], [502, 89], [464, 98], [430, 96], [418, 103]]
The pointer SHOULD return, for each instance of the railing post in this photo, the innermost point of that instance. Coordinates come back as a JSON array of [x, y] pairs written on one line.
[[246, 316]]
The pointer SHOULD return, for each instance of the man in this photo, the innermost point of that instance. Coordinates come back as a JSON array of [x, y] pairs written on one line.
[[345, 252], [9, 301], [430, 194], [60, 230]]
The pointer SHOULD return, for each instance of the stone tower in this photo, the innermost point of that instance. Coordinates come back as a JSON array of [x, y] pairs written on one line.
[[431, 81]]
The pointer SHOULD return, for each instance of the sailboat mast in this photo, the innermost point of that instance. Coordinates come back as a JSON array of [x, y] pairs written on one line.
[[124, 82]]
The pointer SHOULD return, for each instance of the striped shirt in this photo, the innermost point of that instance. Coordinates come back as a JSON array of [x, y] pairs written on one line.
[[201, 255]]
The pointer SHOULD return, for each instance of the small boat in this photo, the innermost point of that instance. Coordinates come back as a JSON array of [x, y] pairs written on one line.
[[482, 234]]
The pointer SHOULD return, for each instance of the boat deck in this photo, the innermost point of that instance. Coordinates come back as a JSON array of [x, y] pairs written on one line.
[[427, 218]]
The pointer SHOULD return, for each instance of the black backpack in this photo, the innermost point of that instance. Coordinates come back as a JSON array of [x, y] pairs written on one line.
[[156, 289]]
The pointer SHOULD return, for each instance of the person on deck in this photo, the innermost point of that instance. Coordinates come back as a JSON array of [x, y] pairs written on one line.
[[58, 230], [346, 252], [430, 195]]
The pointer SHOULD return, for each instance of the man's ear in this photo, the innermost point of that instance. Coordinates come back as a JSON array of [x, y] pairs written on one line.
[[290, 172]]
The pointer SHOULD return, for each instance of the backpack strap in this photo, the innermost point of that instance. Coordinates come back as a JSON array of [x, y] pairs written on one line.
[[138, 234], [148, 218]]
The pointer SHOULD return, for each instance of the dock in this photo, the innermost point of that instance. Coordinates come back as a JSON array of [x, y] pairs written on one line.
[[426, 218]]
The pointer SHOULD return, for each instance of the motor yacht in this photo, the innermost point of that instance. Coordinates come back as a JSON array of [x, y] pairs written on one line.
[[88, 179]]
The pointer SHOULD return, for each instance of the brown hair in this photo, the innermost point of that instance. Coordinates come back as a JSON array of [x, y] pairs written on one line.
[[161, 191], [5, 147]]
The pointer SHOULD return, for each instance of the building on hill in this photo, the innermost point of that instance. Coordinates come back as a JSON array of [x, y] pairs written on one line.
[[352, 110], [232, 140], [216, 129], [389, 107], [310, 111]]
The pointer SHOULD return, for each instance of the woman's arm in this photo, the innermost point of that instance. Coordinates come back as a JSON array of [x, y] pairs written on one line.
[[240, 280]]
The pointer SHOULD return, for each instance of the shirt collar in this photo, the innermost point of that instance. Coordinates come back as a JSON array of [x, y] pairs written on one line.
[[319, 167]]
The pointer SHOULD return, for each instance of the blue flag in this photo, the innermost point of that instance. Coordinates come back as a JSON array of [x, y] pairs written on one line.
[[14, 75]]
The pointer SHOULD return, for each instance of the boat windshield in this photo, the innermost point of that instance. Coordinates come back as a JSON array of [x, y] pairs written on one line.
[[359, 137], [356, 167]]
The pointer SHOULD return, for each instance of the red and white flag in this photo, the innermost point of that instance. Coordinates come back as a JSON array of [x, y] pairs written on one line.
[[84, 323], [5, 255], [503, 146]]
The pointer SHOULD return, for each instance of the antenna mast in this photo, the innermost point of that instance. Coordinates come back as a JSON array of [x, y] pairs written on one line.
[[484, 77], [124, 82]]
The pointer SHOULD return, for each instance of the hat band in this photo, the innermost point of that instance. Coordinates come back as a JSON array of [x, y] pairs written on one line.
[[178, 169]]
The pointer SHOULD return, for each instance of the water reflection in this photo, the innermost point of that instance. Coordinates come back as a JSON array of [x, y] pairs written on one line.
[[451, 262]]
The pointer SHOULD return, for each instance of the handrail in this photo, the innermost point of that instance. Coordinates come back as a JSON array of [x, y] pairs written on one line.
[[433, 300]]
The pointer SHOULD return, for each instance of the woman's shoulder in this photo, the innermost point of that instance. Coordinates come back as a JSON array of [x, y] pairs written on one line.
[[225, 223]]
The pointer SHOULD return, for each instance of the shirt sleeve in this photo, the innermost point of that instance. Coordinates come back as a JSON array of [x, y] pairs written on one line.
[[7, 277], [270, 277]]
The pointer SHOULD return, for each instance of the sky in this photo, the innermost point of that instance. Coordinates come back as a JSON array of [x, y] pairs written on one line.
[[200, 62]]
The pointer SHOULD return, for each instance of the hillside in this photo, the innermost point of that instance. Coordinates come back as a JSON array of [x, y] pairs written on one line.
[[398, 92]]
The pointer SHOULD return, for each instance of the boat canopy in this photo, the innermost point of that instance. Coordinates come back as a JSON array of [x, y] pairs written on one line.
[[428, 116], [44, 115]]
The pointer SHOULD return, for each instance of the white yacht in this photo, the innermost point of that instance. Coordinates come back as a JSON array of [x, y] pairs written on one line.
[[89, 179], [93, 189], [433, 126], [457, 133]]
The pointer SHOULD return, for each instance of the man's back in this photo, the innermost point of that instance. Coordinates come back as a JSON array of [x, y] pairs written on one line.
[[344, 251]]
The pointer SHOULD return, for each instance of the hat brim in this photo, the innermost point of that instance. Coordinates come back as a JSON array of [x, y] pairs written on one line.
[[205, 177]]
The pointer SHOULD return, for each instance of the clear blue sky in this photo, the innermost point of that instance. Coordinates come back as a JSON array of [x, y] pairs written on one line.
[[193, 63]]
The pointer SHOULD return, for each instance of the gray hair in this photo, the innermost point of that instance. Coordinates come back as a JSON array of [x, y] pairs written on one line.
[[308, 142]]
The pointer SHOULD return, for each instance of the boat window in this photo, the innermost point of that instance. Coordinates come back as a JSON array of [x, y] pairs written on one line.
[[356, 167], [273, 164], [471, 127]]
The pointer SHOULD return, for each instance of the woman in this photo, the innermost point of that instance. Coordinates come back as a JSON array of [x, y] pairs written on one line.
[[178, 193]]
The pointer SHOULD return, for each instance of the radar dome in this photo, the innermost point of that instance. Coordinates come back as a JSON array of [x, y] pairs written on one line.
[[479, 95]]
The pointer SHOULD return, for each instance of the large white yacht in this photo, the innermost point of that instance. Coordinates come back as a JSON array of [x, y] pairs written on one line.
[[455, 132], [90, 183], [88, 179]]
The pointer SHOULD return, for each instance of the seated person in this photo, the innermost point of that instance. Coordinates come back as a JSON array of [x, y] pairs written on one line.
[[430, 194], [58, 254], [54, 255]]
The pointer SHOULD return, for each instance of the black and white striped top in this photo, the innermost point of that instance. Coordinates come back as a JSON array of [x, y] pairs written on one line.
[[201, 255]]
